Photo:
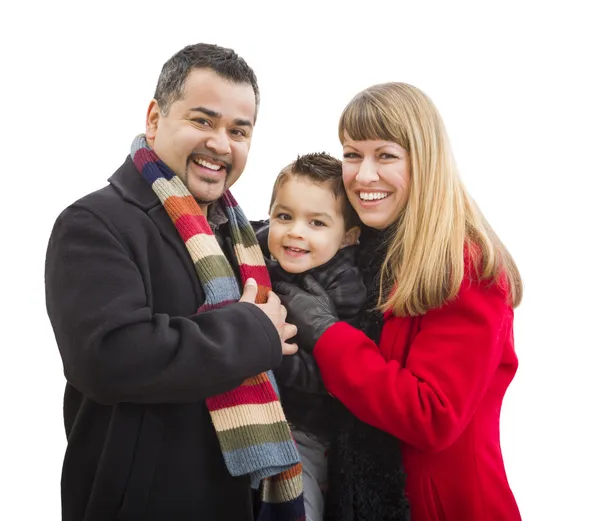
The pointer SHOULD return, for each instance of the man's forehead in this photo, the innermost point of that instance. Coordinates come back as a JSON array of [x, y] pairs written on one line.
[[223, 98]]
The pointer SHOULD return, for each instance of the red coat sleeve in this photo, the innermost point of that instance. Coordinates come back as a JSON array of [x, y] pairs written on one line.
[[449, 367]]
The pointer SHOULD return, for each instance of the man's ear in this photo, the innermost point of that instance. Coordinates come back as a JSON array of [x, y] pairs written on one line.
[[351, 236], [152, 119]]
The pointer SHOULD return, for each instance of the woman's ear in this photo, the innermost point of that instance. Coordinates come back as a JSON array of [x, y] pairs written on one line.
[[351, 236]]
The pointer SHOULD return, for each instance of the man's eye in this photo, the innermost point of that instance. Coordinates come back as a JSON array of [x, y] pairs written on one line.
[[202, 121], [238, 132]]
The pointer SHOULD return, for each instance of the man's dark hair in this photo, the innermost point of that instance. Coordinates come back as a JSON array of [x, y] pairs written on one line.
[[225, 62], [323, 169]]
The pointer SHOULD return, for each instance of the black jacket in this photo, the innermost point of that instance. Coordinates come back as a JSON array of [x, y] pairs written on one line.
[[122, 296], [306, 402]]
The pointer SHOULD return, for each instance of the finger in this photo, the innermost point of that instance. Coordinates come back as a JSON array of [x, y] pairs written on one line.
[[289, 349], [283, 312], [272, 298], [288, 331], [310, 284], [250, 291]]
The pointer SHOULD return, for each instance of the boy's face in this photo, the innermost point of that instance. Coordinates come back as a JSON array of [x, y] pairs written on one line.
[[306, 226]]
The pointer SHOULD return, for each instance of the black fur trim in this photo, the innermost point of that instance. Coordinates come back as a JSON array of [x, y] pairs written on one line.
[[366, 476]]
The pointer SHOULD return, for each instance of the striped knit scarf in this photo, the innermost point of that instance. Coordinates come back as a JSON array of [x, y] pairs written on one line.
[[252, 430]]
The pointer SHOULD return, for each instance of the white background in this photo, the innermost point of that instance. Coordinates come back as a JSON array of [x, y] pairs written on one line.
[[517, 84]]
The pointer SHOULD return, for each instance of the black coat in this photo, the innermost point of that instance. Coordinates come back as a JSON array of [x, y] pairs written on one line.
[[306, 402], [122, 296]]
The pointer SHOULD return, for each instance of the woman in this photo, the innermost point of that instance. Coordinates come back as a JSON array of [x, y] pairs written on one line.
[[434, 355]]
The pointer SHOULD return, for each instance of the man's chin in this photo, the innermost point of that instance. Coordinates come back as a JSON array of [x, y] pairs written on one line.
[[206, 196], [206, 202]]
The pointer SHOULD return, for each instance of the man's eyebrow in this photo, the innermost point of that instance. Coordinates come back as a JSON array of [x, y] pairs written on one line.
[[214, 114], [208, 112]]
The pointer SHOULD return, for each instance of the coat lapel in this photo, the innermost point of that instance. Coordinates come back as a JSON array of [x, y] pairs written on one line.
[[133, 188]]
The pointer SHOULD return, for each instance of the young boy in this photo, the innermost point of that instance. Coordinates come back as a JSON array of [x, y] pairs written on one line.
[[312, 230]]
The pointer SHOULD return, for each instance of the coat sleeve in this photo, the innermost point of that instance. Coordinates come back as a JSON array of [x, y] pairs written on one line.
[[115, 349], [451, 361], [301, 371]]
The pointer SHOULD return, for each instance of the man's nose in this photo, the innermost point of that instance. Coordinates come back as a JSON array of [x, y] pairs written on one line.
[[219, 142]]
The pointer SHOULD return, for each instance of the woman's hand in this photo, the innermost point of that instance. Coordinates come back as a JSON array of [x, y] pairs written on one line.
[[309, 308]]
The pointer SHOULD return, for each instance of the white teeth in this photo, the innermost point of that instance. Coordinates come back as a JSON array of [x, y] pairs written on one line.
[[372, 196], [206, 164]]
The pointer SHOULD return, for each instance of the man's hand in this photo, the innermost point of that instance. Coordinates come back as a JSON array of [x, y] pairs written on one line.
[[276, 313], [309, 308]]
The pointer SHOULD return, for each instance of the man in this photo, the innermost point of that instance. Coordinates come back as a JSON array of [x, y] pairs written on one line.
[[123, 292]]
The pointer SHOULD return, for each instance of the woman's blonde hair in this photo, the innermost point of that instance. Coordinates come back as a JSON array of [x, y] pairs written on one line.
[[425, 261]]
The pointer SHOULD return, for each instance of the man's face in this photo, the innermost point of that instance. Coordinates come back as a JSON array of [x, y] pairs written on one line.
[[205, 137]]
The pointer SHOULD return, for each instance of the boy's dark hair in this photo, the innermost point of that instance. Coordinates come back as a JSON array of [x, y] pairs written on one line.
[[323, 169], [225, 62]]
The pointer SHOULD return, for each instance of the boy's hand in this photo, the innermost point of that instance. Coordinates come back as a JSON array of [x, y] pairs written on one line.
[[309, 308]]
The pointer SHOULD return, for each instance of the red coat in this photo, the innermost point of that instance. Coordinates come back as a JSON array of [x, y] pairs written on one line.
[[436, 382]]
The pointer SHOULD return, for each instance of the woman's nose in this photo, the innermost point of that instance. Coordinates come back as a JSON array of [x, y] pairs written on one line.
[[367, 172]]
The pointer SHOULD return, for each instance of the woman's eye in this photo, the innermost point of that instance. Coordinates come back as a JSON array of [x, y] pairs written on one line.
[[350, 155]]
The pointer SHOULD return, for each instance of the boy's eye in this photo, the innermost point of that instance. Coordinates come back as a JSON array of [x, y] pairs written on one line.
[[283, 216], [318, 223]]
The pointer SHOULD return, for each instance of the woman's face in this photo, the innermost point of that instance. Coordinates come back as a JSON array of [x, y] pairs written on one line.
[[377, 180]]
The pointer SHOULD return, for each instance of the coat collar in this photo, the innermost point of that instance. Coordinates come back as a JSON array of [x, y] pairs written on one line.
[[132, 187]]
